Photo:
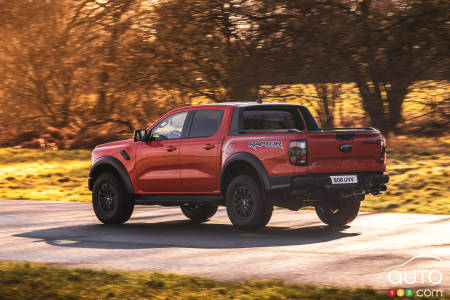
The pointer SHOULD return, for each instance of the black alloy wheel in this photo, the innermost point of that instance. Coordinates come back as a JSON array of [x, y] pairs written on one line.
[[248, 206], [112, 204], [243, 201], [107, 197]]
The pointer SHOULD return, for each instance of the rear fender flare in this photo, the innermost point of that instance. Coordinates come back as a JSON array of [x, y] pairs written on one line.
[[253, 161]]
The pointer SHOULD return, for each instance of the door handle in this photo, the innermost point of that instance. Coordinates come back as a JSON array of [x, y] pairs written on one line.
[[171, 148], [208, 146]]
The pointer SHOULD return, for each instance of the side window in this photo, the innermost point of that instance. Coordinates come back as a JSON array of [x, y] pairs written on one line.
[[170, 128], [206, 123]]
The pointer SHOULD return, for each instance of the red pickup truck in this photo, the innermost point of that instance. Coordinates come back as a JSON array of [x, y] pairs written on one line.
[[246, 156]]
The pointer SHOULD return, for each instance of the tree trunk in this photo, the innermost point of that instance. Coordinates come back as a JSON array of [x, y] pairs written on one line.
[[327, 94], [372, 102], [396, 97]]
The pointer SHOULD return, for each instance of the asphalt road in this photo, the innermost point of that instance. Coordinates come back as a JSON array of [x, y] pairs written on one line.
[[295, 246]]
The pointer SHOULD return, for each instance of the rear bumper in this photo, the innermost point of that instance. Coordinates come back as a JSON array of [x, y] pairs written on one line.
[[366, 182]]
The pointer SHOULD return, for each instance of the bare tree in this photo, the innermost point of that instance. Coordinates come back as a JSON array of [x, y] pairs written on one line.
[[384, 46], [212, 48], [388, 45], [43, 62], [67, 65]]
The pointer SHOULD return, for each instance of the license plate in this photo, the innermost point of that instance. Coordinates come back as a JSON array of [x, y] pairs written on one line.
[[344, 179]]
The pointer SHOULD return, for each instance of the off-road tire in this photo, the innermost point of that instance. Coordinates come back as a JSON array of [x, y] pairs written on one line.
[[339, 213], [111, 202], [199, 213], [248, 207]]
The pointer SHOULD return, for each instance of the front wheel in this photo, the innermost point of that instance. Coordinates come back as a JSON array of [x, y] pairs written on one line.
[[338, 212], [112, 204], [199, 213], [247, 206]]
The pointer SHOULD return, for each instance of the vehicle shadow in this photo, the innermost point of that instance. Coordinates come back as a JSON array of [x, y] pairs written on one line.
[[182, 234]]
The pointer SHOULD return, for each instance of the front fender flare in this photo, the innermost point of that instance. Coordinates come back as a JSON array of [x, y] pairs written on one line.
[[117, 165]]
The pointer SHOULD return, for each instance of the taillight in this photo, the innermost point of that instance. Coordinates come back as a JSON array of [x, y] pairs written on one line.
[[382, 150], [298, 152]]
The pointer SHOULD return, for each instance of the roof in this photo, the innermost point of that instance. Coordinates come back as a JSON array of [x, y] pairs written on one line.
[[240, 104]]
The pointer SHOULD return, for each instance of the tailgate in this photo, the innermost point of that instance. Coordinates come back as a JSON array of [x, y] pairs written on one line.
[[344, 152]]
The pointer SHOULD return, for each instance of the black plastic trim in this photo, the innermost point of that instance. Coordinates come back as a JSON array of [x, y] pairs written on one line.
[[234, 128], [164, 199], [370, 142], [187, 125], [349, 128], [310, 121], [345, 136], [125, 154], [252, 160], [117, 165], [366, 180], [280, 182]]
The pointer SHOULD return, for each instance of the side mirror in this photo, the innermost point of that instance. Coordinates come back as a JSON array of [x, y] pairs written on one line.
[[140, 135]]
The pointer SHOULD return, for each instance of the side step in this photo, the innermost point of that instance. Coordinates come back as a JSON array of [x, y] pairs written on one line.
[[173, 200]]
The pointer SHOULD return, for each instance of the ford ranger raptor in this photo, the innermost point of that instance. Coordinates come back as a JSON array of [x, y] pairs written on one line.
[[248, 157]]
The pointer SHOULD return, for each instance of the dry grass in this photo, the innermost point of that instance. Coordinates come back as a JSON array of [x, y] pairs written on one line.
[[36, 281], [419, 169], [44, 175]]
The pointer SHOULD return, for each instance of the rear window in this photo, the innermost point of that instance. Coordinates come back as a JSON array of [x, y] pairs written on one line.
[[272, 119]]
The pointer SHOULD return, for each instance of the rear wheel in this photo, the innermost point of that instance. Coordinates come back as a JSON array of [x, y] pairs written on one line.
[[247, 206], [338, 212], [112, 204], [199, 213]]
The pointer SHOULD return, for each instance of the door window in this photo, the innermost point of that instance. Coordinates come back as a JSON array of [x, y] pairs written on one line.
[[170, 128], [206, 123]]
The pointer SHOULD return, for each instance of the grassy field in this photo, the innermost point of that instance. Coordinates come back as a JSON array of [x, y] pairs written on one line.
[[419, 177], [36, 281], [44, 175], [419, 181]]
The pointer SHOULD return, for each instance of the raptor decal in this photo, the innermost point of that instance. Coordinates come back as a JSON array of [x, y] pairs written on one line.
[[269, 144]]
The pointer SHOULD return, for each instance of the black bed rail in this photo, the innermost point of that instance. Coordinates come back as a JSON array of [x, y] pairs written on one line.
[[321, 130], [349, 128], [353, 129]]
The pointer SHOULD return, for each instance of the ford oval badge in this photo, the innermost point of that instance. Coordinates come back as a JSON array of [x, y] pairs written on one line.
[[346, 148]]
